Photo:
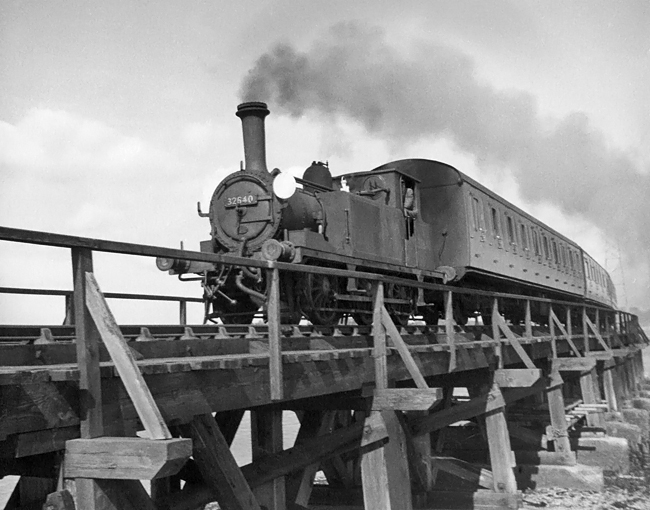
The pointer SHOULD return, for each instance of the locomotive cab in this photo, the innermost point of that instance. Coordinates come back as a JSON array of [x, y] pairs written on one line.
[[382, 213], [387, 187]]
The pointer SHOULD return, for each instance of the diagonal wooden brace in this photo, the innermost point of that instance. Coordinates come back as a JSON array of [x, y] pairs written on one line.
[[566, 334], [512, 339]]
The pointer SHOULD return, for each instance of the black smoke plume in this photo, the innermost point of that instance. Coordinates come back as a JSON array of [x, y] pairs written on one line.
[[433, 91]]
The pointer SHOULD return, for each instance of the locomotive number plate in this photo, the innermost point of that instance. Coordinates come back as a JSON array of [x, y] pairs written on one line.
[[241, 200]]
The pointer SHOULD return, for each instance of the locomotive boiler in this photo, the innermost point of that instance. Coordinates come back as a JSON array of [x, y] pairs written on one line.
[[417, 219]]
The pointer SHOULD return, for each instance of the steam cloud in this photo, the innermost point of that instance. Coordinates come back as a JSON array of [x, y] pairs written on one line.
[[433, 91]]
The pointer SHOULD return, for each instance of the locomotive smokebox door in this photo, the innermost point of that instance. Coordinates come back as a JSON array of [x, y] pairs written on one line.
[[243, 208]]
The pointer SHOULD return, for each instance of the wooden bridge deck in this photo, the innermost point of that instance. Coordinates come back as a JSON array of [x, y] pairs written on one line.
[[372, 400]]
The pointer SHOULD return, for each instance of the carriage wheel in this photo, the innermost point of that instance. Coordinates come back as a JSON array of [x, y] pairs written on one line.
[[363, 316], [318, 299], [430, 314]]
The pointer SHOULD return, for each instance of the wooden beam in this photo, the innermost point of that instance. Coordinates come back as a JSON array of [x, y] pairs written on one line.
[[557, 431], [449, 330], [517, 377], [512, 339], [87, 348], [379, 352], [501, 456], [369, 435], [582, 364], [596, 333], [496, 335], [218, 466], [445, 417], [125, 458], [275, 336], [60, 500], [610, 391], [588, 390], [465, 471], [384, 471], [129, 372], [266, 438], [419, 452], [403, 349], [475, 407], [300, 481], [89, 493], [567, 336], [527, 321], [405, 399]]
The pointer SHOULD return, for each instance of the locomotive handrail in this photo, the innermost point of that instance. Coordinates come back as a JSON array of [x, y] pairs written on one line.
[[102, 245]]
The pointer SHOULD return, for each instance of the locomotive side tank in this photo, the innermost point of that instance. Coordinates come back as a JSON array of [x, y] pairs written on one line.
[[417, 219]]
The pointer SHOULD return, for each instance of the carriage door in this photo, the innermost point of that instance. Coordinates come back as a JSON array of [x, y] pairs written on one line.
[[410, 206]]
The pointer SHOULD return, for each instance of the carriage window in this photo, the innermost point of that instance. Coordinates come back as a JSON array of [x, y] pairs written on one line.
[[547, 252], [475, 213], [511, 230], [536, 243], [496, 226], [524, 236]]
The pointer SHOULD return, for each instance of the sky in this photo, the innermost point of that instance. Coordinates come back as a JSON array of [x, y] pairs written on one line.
[[117, 117]]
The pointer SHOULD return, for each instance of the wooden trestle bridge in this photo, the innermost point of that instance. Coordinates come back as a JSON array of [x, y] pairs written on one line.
[[90, 408]]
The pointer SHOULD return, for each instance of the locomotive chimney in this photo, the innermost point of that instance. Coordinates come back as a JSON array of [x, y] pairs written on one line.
[[252, 119]]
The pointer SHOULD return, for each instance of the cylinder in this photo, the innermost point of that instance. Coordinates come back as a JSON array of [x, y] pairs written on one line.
[[252, 119]]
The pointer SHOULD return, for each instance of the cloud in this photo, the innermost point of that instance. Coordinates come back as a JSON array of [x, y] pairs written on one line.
[[61, 172], [430, 91]]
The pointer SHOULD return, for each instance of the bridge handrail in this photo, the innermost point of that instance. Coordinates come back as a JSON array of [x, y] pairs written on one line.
[[102, 245]]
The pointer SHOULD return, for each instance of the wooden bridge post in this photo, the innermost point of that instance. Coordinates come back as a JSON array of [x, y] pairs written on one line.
[[69, 310], [266, 437], [558, 430], [87, 349], [496, 334], [501, 455], [379, 351], [585, 331], [599, 328], [89, 493], [528, 321], [182, 312], [275, 336], [385, 471], [608, 385], [633, 374], [551, 325], [449, 330]]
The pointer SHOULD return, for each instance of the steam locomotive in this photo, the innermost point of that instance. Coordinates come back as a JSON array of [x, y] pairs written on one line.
[[417, 219]]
